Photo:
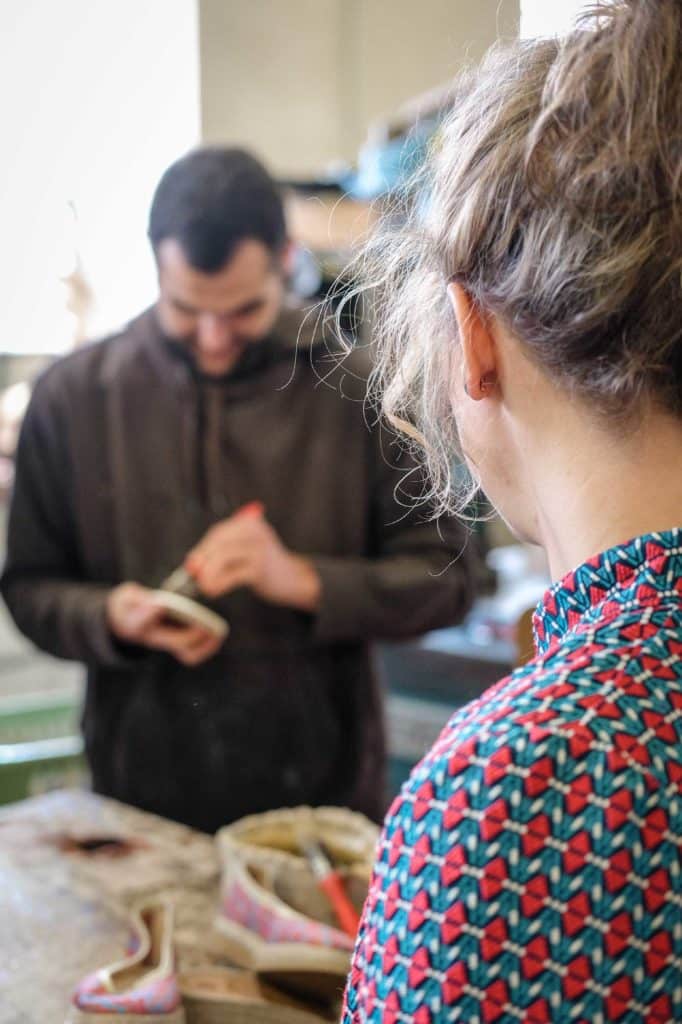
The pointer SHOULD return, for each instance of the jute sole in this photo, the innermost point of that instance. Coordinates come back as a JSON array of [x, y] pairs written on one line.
[[77, 1016], [215, 995], [243, 948], [200, 1011]]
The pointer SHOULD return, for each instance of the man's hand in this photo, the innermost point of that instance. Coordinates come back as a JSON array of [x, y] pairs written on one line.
[[245, 551], [134, 617]]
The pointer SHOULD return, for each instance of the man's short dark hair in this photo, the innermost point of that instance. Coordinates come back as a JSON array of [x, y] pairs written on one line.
[[211, 200]]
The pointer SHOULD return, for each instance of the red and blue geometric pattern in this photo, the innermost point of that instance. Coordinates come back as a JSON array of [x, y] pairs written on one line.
[[531, 868], [156, 997]]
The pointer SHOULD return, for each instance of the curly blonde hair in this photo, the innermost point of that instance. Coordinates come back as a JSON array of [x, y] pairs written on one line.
[[554, 198]]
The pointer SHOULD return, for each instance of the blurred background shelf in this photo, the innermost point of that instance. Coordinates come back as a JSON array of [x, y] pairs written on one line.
[[40, 744]]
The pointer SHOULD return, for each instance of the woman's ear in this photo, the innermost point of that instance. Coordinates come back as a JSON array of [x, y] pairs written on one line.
[[479, 356]]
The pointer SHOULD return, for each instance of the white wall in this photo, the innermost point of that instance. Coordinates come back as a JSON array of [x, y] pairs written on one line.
[[540, 18], [405, 47], [98, 97], [299, 80], [269, 78]]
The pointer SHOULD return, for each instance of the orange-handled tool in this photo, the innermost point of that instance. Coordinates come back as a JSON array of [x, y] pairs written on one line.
[[182, 582], [330, 883], [252, 508]]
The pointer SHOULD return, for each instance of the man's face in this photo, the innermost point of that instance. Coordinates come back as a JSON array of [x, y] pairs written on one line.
[[218, 315]]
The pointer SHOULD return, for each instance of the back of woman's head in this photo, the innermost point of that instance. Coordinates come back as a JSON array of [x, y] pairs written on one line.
[[555, 200]]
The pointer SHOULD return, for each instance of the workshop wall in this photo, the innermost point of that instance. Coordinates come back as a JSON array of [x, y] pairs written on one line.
[[300, 81]]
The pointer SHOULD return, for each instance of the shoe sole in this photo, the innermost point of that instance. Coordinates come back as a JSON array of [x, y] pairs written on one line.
[[214, 995], [244, 949], [77, 1016], [218, 1011]]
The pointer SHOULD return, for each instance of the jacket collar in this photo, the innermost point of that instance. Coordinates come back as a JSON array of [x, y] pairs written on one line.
[[646, 571]]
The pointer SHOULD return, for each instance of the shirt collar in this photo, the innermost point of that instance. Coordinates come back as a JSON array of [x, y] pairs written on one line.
[[643, 571]]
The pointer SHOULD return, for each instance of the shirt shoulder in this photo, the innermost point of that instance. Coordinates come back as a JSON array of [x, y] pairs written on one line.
[[511, 872], [79, 371]]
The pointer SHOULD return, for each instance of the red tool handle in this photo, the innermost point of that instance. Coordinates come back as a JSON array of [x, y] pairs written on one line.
[[252, 508], [349, 919]]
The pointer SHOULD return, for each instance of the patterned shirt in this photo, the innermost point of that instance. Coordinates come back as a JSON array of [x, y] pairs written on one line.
[[531, 869]]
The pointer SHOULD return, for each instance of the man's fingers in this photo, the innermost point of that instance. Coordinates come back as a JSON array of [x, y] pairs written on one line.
[[224, 541], [202, 651], [190, 645], [144, 615], [175, 639], [219, 538], [197, 646], [215, 581], [131, 612]]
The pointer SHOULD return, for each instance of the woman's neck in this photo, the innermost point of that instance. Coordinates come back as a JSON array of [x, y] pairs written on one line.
[[595, 490]]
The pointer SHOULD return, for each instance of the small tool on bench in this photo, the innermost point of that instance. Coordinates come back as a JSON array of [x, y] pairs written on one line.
[[329, 881]]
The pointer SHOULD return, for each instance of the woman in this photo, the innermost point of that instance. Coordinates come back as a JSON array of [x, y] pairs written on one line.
[[530, 869]]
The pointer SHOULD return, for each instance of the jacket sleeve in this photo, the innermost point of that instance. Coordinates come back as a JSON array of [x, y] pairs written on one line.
[[418, 573], [40, 582]]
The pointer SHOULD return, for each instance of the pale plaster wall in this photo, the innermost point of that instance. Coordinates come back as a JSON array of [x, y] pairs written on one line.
[[269, 78], [298, 81]]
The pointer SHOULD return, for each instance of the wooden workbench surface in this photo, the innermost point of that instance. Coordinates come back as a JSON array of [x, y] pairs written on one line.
[[62, 910]]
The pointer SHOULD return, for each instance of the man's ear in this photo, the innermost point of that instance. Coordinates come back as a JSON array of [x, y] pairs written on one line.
[[479, 354], [287, 257]]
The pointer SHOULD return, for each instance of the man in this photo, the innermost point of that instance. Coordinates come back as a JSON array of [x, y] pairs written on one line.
[[138, 454]]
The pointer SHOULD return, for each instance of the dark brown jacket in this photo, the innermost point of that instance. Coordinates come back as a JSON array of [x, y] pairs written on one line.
[[126, 457]]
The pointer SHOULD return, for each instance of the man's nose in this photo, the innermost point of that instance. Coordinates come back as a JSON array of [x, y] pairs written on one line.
[[214, 331]]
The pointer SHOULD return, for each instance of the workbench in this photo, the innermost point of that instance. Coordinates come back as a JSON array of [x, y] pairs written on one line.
[[64, 891]]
